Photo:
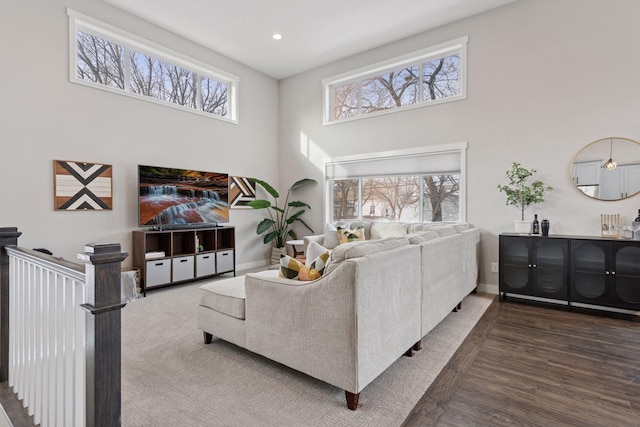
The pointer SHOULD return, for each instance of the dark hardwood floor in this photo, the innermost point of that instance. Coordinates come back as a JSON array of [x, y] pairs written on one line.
[[530, 365]]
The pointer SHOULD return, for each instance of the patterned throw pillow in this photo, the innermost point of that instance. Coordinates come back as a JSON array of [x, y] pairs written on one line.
[[291, 268], [346, 235]]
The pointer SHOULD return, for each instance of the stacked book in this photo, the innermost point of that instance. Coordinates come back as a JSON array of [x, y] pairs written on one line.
[[154, 254]]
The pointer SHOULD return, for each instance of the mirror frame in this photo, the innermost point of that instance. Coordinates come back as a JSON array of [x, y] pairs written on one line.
[[607, 139]]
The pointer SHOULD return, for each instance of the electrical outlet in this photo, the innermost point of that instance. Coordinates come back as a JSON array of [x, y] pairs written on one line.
[[494, 267]]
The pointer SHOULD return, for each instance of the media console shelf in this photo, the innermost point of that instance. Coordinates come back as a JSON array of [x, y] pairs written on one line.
[[179, 255], [595, 271]]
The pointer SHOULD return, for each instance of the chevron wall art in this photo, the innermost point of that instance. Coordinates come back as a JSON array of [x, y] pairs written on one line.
[[241, 191], [82, 186]]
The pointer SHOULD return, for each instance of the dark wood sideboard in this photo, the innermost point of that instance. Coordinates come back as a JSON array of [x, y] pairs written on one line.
[[599, 272]]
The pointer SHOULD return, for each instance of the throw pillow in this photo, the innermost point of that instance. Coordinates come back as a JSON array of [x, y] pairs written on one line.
[[314, 250], [330, 235], [346, 235], [291, 268]]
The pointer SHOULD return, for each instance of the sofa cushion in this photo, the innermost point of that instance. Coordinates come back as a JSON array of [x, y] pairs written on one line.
[[382, 230], [446, 231], [224, 296], [418, 238], [346, 235], [358, 249], [463, 227]]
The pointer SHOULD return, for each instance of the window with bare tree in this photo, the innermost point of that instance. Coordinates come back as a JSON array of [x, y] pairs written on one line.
[[418, 187], [426, 77], [110, 59]]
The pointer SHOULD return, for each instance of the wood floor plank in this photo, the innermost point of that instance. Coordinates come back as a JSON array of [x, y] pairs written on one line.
[[532, 365]]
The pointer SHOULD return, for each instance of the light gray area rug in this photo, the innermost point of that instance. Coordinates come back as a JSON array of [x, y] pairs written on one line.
[[170, 378]]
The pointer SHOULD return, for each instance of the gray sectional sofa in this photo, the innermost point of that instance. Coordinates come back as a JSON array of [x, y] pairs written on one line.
[[374, 303]]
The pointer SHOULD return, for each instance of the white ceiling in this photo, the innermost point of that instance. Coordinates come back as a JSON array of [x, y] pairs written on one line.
[[315, 32]]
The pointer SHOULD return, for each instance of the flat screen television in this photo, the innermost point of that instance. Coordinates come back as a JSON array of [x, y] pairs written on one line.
[[181, 197]]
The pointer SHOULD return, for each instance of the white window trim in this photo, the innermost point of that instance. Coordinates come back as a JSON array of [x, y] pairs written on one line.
[[458, 45], [79, 21], [458, 146]]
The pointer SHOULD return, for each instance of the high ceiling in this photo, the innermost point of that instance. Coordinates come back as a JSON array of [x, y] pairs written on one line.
[[314, 32]]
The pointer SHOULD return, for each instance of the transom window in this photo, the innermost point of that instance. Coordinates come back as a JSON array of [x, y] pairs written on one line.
[[426, 77], [417, 186], [107, 58]]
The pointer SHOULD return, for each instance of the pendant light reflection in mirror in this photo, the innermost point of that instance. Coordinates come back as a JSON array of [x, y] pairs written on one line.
[[596, 177]]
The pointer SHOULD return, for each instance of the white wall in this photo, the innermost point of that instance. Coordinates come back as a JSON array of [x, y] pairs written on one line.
[[45, 117], [545, 78]]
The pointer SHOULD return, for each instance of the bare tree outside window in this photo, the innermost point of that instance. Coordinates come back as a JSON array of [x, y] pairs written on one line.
[[345, 101], [441, 78], [442, 197], [214, 96], [398, 198], [102, 62], [390, 90], [99, 61], [345, 198], [162, 80], [394, 198]]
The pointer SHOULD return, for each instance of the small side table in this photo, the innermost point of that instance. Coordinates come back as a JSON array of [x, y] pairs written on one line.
[[295, 243]]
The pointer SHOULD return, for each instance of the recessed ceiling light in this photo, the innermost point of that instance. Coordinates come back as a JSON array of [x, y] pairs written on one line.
[[276, 36]]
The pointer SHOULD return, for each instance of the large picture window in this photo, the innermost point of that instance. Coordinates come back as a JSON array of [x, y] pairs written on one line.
[[426, 77], [422, 186], [107, 58]]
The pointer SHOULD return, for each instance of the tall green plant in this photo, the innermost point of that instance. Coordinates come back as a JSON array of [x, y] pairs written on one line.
[[521, 190], [278, 225]]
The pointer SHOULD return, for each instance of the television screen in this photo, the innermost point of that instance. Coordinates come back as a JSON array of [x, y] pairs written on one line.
[[182, 197]]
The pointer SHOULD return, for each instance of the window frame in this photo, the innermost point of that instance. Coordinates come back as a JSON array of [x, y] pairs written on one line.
[[460, 147], [419, 57], [94, 27]]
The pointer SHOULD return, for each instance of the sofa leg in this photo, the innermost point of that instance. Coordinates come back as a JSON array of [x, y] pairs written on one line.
[[475, 290], [417, 346], [352, 400], [207, 337], [457, 307], [409, 353]]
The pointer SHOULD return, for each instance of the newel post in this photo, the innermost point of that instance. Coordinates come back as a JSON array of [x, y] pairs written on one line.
[[8, 236], [103, 335]]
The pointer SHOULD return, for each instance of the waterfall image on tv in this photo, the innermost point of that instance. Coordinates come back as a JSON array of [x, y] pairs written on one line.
[[182, 197]]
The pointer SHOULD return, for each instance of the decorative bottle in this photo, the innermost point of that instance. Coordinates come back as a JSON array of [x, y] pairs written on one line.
[[536, 224], [545, 227], [636, 227]]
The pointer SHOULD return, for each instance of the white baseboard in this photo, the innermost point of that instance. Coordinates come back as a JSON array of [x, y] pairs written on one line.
[[488, 289]]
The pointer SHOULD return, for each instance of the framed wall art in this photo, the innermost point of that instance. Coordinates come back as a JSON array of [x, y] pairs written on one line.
[[80, 186], [242, 190]]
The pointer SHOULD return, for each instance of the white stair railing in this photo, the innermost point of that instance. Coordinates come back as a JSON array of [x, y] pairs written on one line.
[[47, 337]]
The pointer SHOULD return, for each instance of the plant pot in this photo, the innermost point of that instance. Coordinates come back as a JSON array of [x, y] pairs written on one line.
[[523, 227], [276, 253]]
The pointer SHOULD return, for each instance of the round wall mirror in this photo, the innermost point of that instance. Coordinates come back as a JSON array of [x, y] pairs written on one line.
[[608, 169]]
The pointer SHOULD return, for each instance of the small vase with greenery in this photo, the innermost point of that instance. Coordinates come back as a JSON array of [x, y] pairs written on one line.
[[522, 189], [278, 225]]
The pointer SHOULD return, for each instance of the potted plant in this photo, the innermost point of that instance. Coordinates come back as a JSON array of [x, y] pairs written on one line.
[[523, 191], [278, 225]]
